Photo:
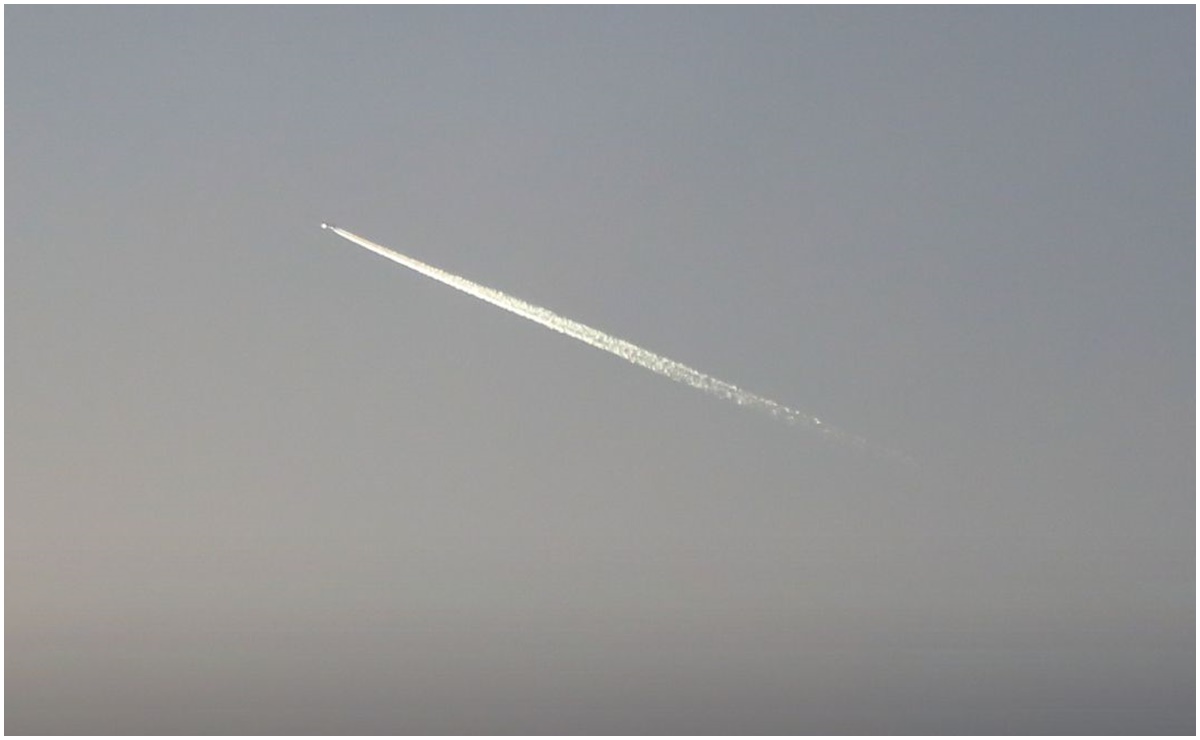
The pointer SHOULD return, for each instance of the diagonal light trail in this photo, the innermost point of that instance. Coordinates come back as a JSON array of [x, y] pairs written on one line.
[[666, 367]]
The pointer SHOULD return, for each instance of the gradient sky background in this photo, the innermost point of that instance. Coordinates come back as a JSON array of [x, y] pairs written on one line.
[[260, 480]]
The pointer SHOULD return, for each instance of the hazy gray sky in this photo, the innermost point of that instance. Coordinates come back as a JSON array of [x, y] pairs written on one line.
[[260, 480]]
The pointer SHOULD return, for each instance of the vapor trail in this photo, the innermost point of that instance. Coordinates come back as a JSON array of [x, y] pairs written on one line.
[[676, 371]]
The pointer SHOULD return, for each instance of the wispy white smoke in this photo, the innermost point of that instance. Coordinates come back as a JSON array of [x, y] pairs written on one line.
[[645, 358]]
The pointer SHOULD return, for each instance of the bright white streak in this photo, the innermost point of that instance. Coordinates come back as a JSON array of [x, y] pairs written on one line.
[[676, 371]]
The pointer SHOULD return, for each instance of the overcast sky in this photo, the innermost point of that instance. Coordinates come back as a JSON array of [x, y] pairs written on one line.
[[260, 480]]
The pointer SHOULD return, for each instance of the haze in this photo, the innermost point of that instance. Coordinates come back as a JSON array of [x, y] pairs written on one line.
[[260, 481]]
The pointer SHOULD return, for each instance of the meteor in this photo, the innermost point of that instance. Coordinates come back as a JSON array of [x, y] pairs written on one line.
[[668, 368]]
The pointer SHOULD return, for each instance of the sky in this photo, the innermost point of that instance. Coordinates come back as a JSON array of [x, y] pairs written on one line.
[[262, 481]]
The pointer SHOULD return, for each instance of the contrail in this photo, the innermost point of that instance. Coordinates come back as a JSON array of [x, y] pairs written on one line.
[[676, 371]]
